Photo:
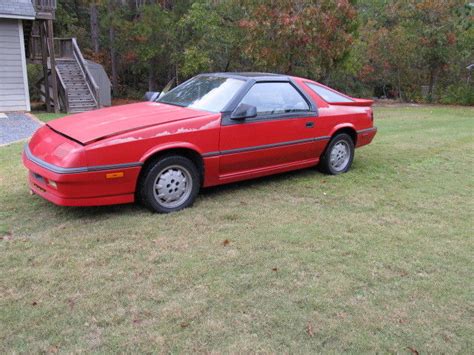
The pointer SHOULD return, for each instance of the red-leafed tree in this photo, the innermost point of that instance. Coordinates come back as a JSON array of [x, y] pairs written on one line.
[[299, 37]]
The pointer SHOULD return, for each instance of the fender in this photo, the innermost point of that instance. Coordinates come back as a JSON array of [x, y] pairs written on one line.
[[340, 126], [167, 146]]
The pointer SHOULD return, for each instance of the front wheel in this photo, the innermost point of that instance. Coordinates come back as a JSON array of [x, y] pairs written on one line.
[[337, 158], [170, 185]]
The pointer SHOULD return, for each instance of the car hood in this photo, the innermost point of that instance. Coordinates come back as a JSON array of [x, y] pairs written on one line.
[[88, 127]]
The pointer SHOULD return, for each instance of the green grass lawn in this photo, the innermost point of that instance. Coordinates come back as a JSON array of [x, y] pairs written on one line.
[[48, 116], [379, 259]]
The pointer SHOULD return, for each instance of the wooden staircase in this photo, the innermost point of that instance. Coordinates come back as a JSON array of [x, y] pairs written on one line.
[[79, 95], [76, 89]]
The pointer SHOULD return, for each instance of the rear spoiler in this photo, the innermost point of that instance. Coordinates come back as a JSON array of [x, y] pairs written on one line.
[[356, 102]]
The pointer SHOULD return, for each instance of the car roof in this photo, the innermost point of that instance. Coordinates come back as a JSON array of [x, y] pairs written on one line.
[[252, 75]]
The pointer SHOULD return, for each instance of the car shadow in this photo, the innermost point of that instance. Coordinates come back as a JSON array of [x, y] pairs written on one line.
[[138, 209], [252, 183]]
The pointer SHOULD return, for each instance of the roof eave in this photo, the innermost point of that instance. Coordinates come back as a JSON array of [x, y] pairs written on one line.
[[17, 17]]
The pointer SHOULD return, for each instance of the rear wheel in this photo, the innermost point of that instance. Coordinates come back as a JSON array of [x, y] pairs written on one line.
[[170, 184], [338, 156]]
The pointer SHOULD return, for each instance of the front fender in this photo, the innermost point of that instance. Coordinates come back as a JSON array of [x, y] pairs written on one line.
[[168, 146]]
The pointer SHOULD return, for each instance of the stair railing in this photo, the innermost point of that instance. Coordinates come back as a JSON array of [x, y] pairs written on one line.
[[63, 92], [88, 76]]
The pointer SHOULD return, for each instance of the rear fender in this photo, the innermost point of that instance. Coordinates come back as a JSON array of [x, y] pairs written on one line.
[[341, 126]]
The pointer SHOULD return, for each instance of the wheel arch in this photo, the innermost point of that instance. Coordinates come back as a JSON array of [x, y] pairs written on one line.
[[348, 129], [184, 149]]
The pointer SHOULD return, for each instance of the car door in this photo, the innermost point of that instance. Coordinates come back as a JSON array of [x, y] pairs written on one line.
[[281, 135]]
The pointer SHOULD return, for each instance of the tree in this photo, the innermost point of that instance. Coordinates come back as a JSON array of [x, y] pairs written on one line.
[[208, 38], [300, 37], [411, 43]]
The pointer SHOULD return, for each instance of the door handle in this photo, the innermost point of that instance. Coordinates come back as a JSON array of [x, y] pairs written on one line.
[[309, 124]]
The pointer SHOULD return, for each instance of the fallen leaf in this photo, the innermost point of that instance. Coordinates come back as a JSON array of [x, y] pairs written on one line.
[[7, 236], [71, 303], [413, 351], [184, 324], [53, 350], [309, 329], [226, 242]]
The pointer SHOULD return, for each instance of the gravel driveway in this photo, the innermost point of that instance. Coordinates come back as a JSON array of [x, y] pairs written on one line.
[[16, 126]]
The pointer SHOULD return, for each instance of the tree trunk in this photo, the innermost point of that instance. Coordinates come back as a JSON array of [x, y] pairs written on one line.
[[113, 53], [399, 86], [152, 84], [94, 27], [431, 84]]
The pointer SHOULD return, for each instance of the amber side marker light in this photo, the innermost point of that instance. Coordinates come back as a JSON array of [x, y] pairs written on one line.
[[114, 175]]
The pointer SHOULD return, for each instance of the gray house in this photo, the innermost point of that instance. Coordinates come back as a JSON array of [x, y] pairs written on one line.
[[14, 95]]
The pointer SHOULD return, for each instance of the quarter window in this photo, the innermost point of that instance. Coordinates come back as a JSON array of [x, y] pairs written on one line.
[[328, 95], [275, 98]]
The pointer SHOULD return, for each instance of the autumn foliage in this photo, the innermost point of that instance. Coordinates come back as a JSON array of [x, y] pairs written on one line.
[[411, 50]]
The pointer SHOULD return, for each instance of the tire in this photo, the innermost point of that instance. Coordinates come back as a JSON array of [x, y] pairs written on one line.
[[170, 184], [341, 147]]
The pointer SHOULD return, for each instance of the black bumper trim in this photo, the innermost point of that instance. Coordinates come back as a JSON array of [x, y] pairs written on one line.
[[60, 170]]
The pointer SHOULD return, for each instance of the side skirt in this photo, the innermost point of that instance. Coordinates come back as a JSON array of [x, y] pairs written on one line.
[[255, 173]]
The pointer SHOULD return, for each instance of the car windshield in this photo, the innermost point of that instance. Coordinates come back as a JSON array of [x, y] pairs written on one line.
[[209, 93]]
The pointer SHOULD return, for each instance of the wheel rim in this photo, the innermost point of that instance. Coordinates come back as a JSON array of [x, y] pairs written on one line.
[[340, 156], [172, 186]]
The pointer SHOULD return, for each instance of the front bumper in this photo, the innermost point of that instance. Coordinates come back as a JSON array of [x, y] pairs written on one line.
[[81, 186]]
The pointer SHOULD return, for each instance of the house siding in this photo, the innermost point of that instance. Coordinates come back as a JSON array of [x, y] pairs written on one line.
[[14, 94]]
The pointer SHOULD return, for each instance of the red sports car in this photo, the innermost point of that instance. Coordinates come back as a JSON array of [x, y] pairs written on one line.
[[212, 129]]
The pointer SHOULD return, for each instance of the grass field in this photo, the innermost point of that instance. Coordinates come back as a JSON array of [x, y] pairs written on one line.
[[47, 116], [379, 259]]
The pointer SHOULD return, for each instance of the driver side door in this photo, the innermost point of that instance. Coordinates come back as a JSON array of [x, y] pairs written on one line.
[[279, 138]]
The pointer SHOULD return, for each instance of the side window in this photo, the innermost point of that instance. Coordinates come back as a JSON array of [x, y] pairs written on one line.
[[274, 98], [328, 95]]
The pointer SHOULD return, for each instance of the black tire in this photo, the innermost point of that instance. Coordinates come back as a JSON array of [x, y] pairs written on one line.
[[165, 168], [337, 141]]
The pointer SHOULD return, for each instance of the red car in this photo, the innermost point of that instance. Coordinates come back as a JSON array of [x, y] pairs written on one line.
[[211, 130]]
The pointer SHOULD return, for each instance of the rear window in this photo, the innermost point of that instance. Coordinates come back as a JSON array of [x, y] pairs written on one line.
[[328, 95]]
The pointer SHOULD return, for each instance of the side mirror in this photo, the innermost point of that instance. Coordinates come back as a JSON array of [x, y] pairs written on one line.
[[244, 111], [151, 95]]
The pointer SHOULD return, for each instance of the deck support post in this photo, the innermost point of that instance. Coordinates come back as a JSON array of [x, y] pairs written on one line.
[[54, 78], [44, 59]]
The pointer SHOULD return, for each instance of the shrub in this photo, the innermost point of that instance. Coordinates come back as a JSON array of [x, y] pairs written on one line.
[[459, 94], [35, 73]]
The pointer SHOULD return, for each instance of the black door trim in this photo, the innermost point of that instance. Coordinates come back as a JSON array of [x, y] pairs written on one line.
[[265, 146]]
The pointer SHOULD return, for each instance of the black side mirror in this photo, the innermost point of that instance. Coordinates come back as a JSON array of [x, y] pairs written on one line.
[[151, 95], [244, 111]]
